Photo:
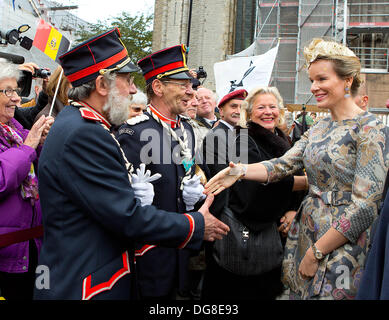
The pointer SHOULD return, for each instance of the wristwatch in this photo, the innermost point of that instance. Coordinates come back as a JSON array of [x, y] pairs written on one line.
[[317, 253]]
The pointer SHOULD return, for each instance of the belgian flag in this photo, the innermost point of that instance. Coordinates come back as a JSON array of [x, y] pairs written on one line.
[[50, 41]]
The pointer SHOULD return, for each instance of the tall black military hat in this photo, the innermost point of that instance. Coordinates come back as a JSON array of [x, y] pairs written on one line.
[[100, 54], [169, 62]]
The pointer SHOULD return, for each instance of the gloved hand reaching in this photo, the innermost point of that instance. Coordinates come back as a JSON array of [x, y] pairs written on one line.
[[141, 183], [192, 192]]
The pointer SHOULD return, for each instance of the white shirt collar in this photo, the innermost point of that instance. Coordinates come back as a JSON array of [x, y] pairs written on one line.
[[231, 127], [211, 121]]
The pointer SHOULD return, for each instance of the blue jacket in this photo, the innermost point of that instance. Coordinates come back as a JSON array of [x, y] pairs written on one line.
[[161, 270], [91, 218], [16, 213]]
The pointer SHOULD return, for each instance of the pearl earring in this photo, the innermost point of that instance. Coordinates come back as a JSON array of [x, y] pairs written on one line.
[[347, 94]]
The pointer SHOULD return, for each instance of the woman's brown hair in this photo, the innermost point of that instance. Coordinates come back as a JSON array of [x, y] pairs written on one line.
[[63, 89]]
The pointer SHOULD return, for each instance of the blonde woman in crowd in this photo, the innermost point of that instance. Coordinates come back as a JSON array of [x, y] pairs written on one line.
[[345, 156], [257, 206]]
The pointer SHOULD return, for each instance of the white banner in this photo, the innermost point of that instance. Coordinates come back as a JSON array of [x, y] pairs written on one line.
[[244, 72]]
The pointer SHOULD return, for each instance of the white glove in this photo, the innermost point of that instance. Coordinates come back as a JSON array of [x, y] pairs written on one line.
[[141, 183], [192, 192]]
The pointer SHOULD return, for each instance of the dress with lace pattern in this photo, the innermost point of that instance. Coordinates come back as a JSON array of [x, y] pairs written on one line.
[[346, 164]]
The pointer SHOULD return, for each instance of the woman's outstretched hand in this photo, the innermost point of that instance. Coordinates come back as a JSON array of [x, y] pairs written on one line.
[[225, 178]]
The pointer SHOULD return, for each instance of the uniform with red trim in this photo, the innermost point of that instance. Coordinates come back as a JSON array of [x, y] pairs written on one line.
[[161, 270], [91, 218]]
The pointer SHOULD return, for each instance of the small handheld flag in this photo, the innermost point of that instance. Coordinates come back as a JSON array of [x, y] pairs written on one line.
[[50, 41]]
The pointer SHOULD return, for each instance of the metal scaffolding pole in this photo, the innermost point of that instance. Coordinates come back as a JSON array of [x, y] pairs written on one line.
[[345, 22]]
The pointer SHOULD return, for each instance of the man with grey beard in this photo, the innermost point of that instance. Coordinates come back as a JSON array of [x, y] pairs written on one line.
[[116, 107], [91, 218]]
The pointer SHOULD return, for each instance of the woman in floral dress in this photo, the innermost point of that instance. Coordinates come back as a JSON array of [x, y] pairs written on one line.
[[345, 156]]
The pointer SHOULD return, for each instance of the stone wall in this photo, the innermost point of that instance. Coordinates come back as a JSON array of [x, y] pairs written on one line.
[[211, 33]]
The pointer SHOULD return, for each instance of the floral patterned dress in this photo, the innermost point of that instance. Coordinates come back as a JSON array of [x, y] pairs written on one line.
[[346, 164]]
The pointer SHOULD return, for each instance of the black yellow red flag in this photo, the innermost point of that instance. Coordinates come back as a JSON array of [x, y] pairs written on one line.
[[50, 41]]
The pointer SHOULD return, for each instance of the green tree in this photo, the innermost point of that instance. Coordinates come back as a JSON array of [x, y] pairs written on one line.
[[136, 34]]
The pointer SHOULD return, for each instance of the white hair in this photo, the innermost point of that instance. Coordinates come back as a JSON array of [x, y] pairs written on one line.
[[139, 98], [213, 94], [85, 90], [247, 105], [116, 106], [8, 70]]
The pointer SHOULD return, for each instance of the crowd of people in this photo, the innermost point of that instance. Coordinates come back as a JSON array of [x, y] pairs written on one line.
[[129, 195]]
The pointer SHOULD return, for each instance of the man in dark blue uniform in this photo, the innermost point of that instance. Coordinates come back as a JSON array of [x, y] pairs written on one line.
[[164, 142], [90, 215]]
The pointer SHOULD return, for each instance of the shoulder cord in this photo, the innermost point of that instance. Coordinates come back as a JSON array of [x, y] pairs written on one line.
[[129, 165], [185, 150]]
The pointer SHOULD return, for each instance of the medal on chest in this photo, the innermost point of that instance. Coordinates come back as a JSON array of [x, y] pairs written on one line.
[[187, 161]]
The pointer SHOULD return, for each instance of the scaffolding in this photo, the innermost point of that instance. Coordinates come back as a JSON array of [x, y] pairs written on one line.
[[277, 20], [363, 25], [316, 19]]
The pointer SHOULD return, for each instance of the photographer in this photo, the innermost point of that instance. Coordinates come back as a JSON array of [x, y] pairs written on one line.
[[197, 75], [26, 116]]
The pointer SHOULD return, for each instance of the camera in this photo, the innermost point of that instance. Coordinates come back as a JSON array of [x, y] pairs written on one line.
[[26, 78], [201, 73], [13, 36], [41, 73]]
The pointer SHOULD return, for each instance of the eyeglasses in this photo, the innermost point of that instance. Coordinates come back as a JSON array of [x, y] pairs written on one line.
[[9, 92], [128, 78], [183, 85], [131, 80]]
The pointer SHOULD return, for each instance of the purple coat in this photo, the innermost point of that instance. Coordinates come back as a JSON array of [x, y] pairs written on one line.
[[15, 212]]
